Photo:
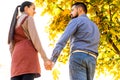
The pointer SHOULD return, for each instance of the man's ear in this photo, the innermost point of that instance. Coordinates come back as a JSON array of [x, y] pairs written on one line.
[[80, 9]]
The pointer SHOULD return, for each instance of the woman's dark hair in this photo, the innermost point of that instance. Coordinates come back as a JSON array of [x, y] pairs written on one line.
[[84, 7], [26, 3], [14, 20]]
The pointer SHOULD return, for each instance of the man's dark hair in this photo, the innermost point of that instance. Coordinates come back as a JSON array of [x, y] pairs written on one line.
[[84, 7]]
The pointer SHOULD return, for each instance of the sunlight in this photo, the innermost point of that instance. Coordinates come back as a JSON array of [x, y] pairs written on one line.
[[105, 76]]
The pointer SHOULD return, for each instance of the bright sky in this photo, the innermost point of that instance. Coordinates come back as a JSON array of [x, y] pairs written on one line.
[[7, 9]]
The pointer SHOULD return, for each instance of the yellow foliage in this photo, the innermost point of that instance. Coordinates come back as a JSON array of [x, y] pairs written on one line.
[[55, 74], [113, 32], [66, 12], [97, 20], [118, 46]]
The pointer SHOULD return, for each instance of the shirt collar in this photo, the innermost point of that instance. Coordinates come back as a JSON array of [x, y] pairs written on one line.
[[83, 15]]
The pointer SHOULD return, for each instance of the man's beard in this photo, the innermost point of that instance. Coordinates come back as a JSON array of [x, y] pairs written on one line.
[[74, 16]]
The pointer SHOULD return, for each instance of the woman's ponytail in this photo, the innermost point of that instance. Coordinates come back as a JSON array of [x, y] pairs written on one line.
[[12, 26], [14, 20]]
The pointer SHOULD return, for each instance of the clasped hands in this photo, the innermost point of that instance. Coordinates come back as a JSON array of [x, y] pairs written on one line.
[[48, 64]]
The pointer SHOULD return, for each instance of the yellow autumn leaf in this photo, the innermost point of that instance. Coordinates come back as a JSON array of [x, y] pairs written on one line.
[[55, 74], [113, 32]]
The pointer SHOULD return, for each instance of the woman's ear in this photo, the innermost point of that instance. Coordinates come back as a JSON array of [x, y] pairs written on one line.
[[25, 8]]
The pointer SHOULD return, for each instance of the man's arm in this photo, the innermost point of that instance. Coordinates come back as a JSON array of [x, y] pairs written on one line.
[[70, 29]]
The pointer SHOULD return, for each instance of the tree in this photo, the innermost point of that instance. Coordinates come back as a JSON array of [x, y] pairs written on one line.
[[105, 13]]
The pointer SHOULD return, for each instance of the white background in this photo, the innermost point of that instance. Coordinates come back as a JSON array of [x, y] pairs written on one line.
[[7, 8]]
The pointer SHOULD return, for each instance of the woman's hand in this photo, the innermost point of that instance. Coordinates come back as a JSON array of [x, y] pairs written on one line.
[[48, 64]]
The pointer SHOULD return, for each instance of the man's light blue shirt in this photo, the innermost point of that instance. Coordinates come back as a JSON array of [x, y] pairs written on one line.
[[83, 35]]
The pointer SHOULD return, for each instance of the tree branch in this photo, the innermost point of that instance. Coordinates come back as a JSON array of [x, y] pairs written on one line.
[[114, 46], [60, 8], [110, 40]]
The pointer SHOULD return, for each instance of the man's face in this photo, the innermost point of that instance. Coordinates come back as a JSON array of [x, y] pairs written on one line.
[[74, 12]]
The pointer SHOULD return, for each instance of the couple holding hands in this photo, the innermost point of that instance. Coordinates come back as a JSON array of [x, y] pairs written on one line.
[[25, 44]]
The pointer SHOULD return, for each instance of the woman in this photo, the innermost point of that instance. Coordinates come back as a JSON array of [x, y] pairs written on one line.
[[25, 44]]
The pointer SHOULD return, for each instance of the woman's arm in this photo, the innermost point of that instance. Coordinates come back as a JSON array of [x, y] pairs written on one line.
[[35, 38]]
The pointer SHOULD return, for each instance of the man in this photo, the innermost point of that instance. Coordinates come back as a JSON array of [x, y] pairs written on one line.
[[84, 39]]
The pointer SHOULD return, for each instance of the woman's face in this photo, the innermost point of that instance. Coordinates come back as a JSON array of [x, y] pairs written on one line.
[[30, 10]]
